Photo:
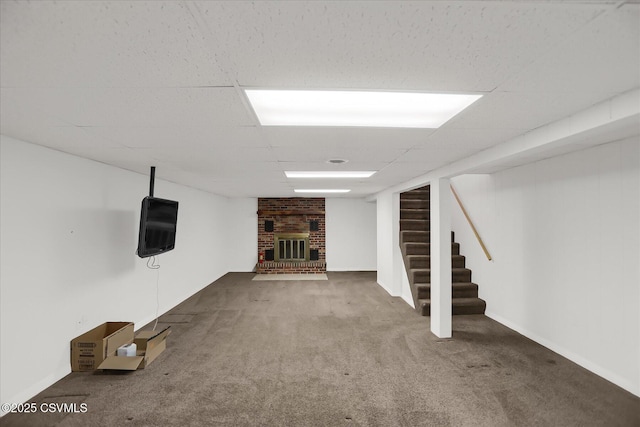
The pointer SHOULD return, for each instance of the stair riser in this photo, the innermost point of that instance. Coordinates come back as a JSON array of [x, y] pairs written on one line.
[[414, 214], [475, 309], [456, 276], [419, 236], [411, 249], [414, 236], [467, 291], [425, 249], [457, 261], [420, 195], [414, 204], [457, 311], [414, 225], [462, 294]]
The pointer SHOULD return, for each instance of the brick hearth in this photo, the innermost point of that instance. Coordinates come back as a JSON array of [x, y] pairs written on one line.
[[308, 267]]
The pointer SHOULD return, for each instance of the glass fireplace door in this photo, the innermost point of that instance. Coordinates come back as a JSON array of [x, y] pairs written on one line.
[[291, 247]]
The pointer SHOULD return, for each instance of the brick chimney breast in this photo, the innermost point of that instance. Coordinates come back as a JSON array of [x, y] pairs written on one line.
[[293, 218]]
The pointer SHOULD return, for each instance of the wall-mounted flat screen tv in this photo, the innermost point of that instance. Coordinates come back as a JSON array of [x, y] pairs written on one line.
[[158, 218]]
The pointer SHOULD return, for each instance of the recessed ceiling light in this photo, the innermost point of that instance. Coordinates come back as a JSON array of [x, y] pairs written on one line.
[[356, 108], [315, 190], [329, 174], [337, 161]]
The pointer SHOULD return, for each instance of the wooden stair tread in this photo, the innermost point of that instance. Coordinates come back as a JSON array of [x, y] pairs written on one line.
[[458, 290], [417, 256], [452, 269], [453, 284], [459, 306], [458, 301]]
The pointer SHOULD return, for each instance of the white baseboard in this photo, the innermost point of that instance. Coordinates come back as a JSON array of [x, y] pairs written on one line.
[[34, 389], [622, 382]]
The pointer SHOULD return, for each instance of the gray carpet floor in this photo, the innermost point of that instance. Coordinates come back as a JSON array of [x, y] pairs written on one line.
[[339, 352]]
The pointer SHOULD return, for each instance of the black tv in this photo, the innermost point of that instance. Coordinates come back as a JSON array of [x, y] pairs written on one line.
[[158, 218]]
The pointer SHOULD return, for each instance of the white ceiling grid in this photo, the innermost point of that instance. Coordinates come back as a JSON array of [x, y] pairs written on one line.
[[142, 83]]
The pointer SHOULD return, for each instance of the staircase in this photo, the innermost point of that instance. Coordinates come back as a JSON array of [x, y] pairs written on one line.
[[415, 246]]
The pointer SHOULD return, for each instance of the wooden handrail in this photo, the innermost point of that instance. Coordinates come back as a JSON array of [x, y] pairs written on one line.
[[466, 215]]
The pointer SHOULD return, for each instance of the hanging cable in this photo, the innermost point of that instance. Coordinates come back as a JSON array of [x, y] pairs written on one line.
[[151, 264]]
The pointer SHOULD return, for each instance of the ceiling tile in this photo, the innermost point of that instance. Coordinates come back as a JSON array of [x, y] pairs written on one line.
[[523, 110], [135, 107], [215, 155], [105, 44], [194, 137], [333, 139], [448, 46], [321, 155], [470, 139], [568, 68]]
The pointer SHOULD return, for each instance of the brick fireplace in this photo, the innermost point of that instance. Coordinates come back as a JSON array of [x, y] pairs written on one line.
[[291, 235]]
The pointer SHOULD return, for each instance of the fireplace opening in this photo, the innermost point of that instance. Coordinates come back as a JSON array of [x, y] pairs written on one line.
[[291, 247]]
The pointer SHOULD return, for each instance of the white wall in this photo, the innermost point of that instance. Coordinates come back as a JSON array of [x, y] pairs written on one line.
[[243, 245], [392, 275], [350, 233], [565, 237], [69, 235]]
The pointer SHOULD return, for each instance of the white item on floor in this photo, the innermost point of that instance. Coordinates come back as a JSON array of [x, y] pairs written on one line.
[[127, 350]]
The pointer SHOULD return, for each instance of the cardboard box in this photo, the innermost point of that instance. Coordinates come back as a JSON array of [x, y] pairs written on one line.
[[149, 343], [90, 349]]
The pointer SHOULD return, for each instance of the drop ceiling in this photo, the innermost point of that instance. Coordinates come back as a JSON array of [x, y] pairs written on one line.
[[136, 84]]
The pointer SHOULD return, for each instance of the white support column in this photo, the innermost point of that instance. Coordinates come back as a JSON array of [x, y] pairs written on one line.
[[441, 258]]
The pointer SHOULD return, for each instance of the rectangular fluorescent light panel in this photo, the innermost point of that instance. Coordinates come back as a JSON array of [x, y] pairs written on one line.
[[356, 108], [329, 174], [333, 190]]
